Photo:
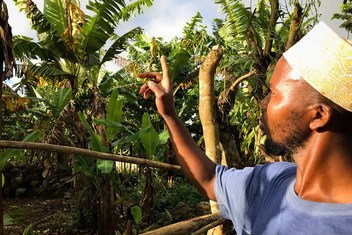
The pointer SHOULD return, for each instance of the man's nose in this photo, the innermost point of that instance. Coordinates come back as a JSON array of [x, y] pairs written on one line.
[[264, 102]]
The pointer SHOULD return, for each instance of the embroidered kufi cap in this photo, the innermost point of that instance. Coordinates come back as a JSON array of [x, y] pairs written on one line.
[[324, 60]]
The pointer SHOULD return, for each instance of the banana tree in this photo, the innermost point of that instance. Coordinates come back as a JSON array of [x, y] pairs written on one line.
[[73, 46]]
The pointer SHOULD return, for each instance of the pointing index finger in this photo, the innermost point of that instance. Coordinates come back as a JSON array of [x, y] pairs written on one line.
[[166, 82]]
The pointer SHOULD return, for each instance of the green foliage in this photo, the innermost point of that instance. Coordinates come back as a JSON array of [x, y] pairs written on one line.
[[54, 12], [25, 47], [120, 44], [7, 219], [96, 144], [345, 15], [174, 203], [18, 215], [38, 20], [60, 99], [84, 165], [163, 137], [100, 26], [113, 114], [105, 166], [136, 7], [150, 138], [28, 230], [137, 214]]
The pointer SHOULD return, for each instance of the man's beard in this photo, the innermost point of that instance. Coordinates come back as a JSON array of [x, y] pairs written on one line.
[[273, 148], [296, 137]]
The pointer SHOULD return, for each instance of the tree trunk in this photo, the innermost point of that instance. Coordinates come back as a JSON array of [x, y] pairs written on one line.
[[146, 203], [207, 114], [295, 25]]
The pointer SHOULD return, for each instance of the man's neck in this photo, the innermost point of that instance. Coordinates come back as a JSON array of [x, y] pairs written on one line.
[[324, 169]]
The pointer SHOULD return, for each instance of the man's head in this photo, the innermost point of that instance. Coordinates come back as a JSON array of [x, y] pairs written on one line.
[[311, 92]]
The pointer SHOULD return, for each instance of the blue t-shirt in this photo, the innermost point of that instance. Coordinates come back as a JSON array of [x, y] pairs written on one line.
[[262, 200]]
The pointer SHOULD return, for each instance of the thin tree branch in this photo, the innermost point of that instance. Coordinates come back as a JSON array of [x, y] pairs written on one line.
[[86, 152], [225, 94], [274, 4], [240, 79]]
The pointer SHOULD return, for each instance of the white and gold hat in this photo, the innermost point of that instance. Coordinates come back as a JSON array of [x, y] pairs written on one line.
[[324, 60]]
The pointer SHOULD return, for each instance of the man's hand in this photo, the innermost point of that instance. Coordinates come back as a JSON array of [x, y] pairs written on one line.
[[161, 86]]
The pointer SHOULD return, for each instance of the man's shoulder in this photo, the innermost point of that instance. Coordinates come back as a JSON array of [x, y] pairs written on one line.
[[276, 170], [269, 170], [279, 167]]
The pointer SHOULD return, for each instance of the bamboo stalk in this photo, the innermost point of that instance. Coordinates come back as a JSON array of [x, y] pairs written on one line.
[[185, 227], [86, 152]]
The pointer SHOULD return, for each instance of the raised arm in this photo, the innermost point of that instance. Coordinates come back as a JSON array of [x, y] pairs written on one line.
[[196, 165]]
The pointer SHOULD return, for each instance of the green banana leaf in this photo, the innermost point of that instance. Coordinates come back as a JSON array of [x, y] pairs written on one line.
[[113, 114], [105, 166], [150, 139]]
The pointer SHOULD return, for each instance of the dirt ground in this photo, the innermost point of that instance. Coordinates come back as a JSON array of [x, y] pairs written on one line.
[[39, 216]]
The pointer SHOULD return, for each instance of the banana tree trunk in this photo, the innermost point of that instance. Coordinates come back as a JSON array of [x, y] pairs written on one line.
[[207, 114]]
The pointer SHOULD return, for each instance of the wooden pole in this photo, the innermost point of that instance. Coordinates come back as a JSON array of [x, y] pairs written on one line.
[[86, 152], [185, 227]]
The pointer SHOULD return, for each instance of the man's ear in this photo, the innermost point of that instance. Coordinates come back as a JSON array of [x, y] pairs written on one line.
[[321, 116]]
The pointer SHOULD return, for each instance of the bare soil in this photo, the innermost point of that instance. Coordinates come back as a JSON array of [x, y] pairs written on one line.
[[40, 216]]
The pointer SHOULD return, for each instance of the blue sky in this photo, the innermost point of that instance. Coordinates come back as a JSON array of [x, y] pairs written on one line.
[[166, 18]]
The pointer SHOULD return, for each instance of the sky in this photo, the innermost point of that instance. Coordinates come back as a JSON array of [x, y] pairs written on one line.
[[166, 18]]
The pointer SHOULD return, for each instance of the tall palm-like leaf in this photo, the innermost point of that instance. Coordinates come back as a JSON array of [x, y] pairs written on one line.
[[108, 14], [120, 44], [26, 48]]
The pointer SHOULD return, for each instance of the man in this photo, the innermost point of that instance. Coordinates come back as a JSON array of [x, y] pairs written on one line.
[[307, 114]]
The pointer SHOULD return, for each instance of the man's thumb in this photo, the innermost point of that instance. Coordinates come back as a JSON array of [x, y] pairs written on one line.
[[154, 87]]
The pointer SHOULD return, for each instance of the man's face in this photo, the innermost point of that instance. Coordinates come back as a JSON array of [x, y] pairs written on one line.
[[283, 119]]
